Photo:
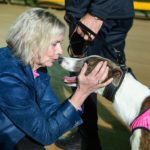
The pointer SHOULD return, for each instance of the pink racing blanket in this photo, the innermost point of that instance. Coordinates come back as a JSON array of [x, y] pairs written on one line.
[[142, 121]]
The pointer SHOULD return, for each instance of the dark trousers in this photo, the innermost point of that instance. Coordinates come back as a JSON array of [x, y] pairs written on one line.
[[28, 144], [112, 35]]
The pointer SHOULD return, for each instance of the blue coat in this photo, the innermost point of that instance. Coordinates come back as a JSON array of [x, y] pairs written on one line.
[[29, 106]]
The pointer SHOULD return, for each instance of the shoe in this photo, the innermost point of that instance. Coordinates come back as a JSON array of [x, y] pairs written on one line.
[[71, 142]]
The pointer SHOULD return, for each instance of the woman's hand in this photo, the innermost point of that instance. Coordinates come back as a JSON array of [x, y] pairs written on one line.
[[96, 79], [87, 84]]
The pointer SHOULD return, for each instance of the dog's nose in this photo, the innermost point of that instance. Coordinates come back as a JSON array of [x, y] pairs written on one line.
[[60, 60]]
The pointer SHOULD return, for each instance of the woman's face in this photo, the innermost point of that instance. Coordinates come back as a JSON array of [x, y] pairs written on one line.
[[51, 54]]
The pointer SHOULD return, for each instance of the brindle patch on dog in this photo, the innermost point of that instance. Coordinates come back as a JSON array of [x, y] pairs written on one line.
[[114, 70]]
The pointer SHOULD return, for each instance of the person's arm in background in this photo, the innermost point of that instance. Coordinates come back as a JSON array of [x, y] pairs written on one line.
[[90, 13]]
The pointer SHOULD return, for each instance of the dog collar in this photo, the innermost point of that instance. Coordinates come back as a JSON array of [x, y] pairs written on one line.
[[111, 89]]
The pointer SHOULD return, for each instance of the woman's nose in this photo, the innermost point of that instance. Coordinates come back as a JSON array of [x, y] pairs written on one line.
[[60, 50]]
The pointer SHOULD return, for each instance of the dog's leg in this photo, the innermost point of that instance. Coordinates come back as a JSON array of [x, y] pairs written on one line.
[[140, 140], [145, 140], [135, 140]]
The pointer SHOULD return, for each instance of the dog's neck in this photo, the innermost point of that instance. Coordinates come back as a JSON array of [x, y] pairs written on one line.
[[129, 98]]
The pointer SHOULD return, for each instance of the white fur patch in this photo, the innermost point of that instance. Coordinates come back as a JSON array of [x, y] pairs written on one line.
[[72, 64], [135, 139], [129, 98]]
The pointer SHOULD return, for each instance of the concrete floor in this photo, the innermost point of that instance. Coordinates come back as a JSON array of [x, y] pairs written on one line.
[[137, 48]]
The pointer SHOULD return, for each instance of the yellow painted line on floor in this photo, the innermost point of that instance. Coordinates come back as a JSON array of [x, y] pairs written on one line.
[[137, 5], [52, 1], [142, 6]]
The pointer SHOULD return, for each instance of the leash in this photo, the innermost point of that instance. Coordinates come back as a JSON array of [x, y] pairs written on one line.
[[116, 54]]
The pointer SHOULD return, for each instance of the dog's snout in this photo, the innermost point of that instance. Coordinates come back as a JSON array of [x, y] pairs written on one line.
[[60, 60]]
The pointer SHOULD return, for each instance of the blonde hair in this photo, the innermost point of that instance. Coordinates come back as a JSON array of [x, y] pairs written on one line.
[[33, 30]]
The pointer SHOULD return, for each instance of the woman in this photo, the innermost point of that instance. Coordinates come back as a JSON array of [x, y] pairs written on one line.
[[30, 114]]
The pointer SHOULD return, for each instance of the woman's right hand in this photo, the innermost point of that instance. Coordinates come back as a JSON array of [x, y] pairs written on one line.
[[87, 84]]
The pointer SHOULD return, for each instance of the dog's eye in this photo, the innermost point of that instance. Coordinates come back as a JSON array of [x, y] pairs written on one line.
[[66, 62]]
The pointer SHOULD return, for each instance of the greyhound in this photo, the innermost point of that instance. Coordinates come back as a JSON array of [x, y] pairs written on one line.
[[130, 98]]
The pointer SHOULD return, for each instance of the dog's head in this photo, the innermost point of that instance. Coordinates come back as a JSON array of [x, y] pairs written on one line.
[[76, 64]]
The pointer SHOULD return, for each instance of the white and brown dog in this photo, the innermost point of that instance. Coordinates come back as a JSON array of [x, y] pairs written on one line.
[[130, 98]]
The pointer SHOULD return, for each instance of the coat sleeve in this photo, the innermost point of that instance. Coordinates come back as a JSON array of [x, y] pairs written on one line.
[[18, 102], [99, 8]]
